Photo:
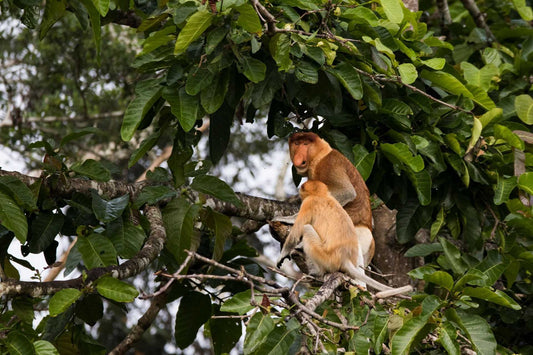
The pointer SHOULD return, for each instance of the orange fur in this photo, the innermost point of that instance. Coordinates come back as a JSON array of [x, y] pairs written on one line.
[[328, 238], [313, 157]]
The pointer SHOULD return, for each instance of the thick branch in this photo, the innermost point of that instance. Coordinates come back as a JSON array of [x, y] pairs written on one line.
[[131, 267], [158, 302], [479, 18]]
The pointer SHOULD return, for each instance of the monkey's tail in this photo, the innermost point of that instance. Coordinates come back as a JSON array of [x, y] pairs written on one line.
[[358, 274]]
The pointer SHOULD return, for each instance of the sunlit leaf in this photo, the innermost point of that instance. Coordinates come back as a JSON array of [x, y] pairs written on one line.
[[116, 290], [12, 217], [193, 29], [62, 300], [96, 251]]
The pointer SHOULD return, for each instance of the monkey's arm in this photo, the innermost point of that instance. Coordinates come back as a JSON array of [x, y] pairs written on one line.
[[295, 235], [343, 191]]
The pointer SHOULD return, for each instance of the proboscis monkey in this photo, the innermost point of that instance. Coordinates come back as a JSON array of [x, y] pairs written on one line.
[[313, 157], [327, 235]]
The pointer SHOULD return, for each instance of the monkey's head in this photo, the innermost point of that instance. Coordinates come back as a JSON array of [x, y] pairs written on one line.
[[313, 188], [303, 148]]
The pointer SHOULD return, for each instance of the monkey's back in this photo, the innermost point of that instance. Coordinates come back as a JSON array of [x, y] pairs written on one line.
[[359, 209]]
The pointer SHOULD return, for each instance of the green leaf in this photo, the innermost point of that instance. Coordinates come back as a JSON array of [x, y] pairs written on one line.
[[194, 310], [523, 10], [440, 278], [53, 11], [253, 69], [472, 276], [126, 237], [306, 72], [447, 338], [239, 303], [147, 92], [422, 183], [221, 226], [92, 169], [434, 63], [193, 29], [78, 134], [476, 133], [116, 290], [423, 249], [179, 217], [107, 211], [502, 132], [62, 300], [96, 251], [490, 116], [102, 6], [363, 161], [476, 329], [17, 190], [349, 78], [12, 217], [421, 272], [408, 73], [257, 332], [503, 189], [480, 77], [393, 10], [18, 344], [213, 96], [498, 297], [280, 339], [197, 80], [280, 46], [153, 194], [525, 182], [404, 338], [248, 19], [183, 106], [400, 153], [215, 187], [94, 16], [43, 347], [451, 84], [157, 39], [225, 333], [44, 228], [453, 256], [437, 225], [147, 144]]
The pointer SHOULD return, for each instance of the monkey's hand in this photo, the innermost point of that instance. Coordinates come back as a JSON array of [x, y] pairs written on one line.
[[282, 259]]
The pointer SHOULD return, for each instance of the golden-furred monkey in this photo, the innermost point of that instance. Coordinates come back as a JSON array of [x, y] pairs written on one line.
[[327, 235], [313, 157]]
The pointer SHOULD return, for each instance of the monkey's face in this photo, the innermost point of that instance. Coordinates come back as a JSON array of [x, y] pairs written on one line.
[[299, 148]]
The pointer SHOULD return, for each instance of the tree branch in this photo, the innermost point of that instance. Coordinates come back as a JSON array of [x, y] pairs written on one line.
[[479, 18], [149, 252]]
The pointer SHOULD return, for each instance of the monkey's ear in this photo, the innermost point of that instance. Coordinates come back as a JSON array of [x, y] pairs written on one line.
[[295, 177]]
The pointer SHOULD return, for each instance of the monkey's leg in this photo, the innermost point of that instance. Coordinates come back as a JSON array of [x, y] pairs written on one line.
[[314, 250], [285, 219], [366, 244]]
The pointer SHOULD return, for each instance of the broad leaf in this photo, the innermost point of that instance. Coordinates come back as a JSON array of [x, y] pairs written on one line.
[[43, 347], [193, 29], [107, 211], [116, 290], [179, 217], [440, 278], [17, 344], [280, 45], [146, 145], [507, 135], [503, 189], [62, 300], [96, 251], [498, 297], [280, 339], [147, 92], [400, 153], [257, 332], [476, 329], [393, 10], [221, 226], [239, 303], [44, 228], [225, 333], [363, 161], [194, 310], [349, 78], [215, 187], [12, 217], [453, 256], [92, 169], [524, 108], [525, 182], [423, 249], [253, 69], [213, 96], [102, 6], [19, 192], [248, 19], [404, 338], [126, 237], [408, 73]]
